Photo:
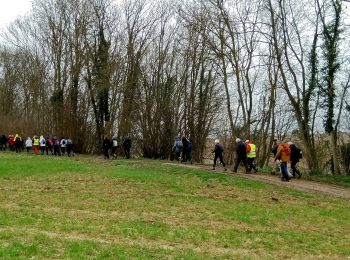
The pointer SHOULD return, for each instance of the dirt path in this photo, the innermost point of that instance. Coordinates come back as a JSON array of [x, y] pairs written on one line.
[[302, 185], [298, 184]]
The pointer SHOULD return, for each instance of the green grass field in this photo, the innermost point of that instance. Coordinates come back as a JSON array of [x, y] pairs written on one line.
[[87, 208]]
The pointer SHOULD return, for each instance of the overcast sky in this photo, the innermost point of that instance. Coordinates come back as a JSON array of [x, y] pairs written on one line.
[[11, 9]]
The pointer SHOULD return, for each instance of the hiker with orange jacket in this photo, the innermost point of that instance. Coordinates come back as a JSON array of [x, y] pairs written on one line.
[[283, 153]]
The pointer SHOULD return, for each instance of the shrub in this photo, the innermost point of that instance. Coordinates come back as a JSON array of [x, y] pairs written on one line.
[[266, 169], [345, 157]]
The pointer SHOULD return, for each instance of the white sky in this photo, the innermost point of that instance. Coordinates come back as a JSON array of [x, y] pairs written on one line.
[[11, 9]]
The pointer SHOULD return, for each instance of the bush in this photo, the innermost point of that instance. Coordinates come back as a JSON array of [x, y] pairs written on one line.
[[326, 177], [266, 169], [345, 157], [316, 172]]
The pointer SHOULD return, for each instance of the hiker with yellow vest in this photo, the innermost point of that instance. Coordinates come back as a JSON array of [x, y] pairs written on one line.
[[251, 155], [36, 143]]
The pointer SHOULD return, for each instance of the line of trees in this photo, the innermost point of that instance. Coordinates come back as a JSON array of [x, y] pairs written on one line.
[[149, 69]]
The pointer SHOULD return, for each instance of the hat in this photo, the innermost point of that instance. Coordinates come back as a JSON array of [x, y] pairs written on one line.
[[216, 141], [247, 141], [238, 140], [289, 143]]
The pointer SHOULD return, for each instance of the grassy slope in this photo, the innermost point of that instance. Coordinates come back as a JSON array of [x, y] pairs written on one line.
[[85, 208]]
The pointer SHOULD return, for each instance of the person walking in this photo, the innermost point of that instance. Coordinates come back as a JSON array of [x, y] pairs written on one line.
[[49, 145], [251, 155], [56, 146], [29, 144], [276, 167], [42, 145], [283, 153], [218, 151], [114, 147], [36, 144], [3, 143], [177, 147], [106, 145], [11, 142], [241, 155], [295, 156], [274, 147], [185, 142], [189, 150], [18, 143], [63, 144], [69, 147], [127, 146]]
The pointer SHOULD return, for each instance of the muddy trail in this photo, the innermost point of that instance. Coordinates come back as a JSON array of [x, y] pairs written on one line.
[[297, 184]]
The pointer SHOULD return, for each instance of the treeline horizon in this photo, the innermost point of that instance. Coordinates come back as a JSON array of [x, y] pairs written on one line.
[[251, 69]]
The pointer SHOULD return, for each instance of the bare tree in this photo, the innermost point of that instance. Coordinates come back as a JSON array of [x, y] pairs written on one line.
[[331, 41], [290, 55]]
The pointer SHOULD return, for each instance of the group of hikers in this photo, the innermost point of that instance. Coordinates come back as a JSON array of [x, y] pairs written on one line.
[[183, 148], [283, 153], [246, 154], [112, 145], [38, 144]]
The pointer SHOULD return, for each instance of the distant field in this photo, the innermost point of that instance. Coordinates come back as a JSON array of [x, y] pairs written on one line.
[[88, 208]]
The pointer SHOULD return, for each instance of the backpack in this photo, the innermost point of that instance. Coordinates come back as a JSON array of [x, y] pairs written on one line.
[[189, 145], [178, 144], [274, 149], [221, 147], [300, 153], [286, 149]]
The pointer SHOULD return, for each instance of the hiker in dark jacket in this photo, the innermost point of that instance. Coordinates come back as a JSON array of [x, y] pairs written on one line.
[[69, 147], [218, 150], [18, 143], [56, 146], [189, 150], [185, 149], [3, 142], [127, 146], [106, 145], [274, 147], [295, 156], [49, 145], [241, 155]]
